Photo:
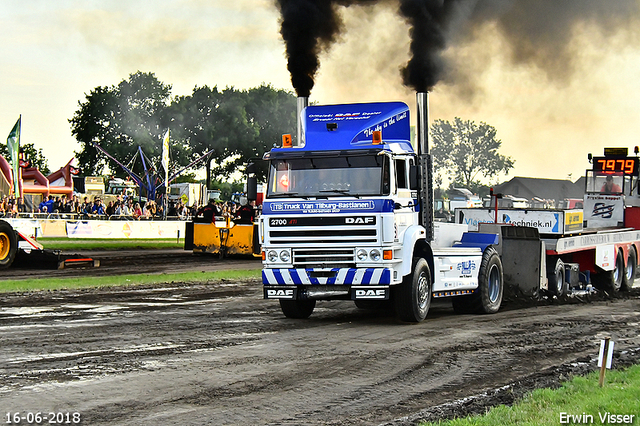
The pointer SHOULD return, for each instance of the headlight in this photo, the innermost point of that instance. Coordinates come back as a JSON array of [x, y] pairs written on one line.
[[284, 256], [272, 256], [375, 255], [362, 255]]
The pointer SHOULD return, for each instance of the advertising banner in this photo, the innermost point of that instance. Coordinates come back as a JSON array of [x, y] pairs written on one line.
[[125, 229], [554, 222], [603, 211]]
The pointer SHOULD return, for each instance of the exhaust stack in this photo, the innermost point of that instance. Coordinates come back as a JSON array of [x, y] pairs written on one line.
[[303, 102], [424, 161]]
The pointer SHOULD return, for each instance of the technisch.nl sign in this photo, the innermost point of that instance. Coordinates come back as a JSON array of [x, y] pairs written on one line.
[[546, 221]]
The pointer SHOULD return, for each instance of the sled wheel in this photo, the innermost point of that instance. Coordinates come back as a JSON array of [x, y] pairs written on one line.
[[8, 245], [557, 283], [298, 309], [611, 280], [413, 295], [630, 271], [490, 282]]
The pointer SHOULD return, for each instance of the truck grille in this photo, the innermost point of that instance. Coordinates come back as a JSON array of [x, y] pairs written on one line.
[[318, 258], [324, 236], [318, 241]]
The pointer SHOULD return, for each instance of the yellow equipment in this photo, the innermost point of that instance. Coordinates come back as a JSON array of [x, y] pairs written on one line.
[[223, 238]]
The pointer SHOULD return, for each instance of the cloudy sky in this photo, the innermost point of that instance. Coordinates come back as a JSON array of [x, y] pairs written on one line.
[[552, 96]]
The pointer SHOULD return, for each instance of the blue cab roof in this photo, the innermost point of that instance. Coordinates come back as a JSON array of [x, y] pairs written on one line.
[[351, 127]]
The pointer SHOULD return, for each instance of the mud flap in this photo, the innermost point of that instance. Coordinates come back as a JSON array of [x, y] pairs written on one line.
[[522, 260]]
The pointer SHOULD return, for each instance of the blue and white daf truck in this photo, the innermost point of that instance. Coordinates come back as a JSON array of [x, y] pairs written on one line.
[[348, 215]]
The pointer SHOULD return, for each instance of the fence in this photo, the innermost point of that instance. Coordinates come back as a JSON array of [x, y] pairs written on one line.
[[74, 226]]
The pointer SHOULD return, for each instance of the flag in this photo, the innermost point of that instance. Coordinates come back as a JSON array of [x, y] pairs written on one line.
[[13, 143], [165, 160], [165, 151]]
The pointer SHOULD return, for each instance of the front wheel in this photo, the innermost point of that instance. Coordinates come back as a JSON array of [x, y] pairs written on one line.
[[298, 309], [8, 244], [413, 295]]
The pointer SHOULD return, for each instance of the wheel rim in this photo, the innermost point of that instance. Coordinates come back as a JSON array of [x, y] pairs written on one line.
[[494, 284], [559, 281], [5, 245], [423, 291], [630, 267], [618, 273]]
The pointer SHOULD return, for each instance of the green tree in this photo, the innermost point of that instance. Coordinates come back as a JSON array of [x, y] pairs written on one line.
[[210, 119], [30, 154], [237, 126], [463, 150], [274, 112], [120, 119]]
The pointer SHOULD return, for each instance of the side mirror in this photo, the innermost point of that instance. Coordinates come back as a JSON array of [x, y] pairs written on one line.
[[413, 177]]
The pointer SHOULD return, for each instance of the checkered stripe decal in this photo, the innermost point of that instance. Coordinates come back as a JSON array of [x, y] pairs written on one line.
[[344, 276]]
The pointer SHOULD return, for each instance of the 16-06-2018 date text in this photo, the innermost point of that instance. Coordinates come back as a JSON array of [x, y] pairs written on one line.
[[36, 418]]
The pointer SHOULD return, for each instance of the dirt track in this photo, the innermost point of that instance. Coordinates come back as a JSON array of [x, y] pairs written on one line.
[[118, 262], [219, 354]]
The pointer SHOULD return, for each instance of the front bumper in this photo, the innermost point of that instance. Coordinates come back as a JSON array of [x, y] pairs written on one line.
[[327, 276]]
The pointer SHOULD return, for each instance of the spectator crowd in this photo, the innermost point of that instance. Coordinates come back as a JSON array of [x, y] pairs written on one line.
[[125, 207]]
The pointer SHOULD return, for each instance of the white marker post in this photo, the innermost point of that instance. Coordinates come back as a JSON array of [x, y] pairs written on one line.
[[605, 357]]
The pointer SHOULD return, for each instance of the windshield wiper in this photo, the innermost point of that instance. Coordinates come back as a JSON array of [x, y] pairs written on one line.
[[289, 194], [284, 194], [340, 191]]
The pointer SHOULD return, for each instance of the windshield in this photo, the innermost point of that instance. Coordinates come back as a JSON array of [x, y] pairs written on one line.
[[609, 184], [324, 177]]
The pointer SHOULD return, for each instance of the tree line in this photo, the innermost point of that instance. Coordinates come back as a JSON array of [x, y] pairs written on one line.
[[239, 126]]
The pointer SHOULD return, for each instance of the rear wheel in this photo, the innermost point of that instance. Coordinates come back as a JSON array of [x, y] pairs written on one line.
[[8, 244], [630, 271], [488, 297], [413, 295], [490, 282], [299, 309]]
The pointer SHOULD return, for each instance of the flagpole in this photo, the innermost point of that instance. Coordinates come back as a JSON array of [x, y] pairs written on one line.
[[165, 164]]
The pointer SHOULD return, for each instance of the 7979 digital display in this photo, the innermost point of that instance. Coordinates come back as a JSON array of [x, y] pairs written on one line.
[[616, 166]]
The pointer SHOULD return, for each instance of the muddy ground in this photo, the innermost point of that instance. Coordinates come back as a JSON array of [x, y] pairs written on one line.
[[219, 354]]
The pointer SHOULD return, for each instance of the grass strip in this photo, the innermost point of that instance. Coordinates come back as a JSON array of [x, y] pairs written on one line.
[[125, 280], [68, 244], [579, 401]]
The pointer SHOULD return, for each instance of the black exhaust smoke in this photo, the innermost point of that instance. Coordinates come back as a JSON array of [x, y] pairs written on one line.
[[307, 26], [310, 26], [536, 32]]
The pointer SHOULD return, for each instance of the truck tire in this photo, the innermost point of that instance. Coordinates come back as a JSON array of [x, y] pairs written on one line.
[[413, 295], [611, 280], [488, 297], [557, 283], [630, 271], [8, 244], [298, 309], [490, 282]]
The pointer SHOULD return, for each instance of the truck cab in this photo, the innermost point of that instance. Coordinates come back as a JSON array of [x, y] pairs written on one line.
[[344, 218], [612, 193]]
